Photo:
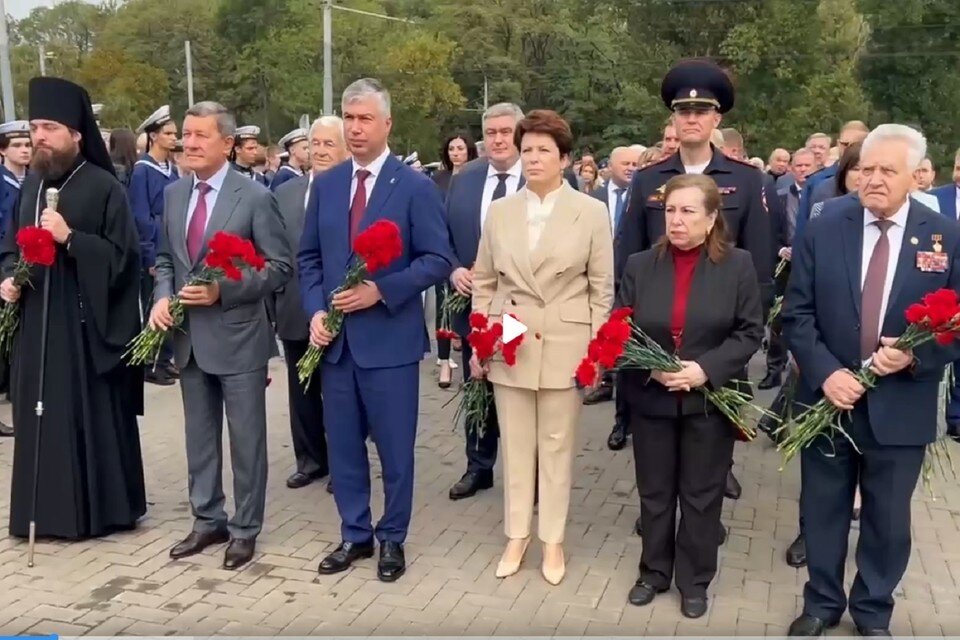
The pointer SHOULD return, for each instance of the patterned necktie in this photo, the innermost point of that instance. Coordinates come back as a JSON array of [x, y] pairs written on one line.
[[871, 300], [501, 190], [198, 222], [618, 211], [359, 204]]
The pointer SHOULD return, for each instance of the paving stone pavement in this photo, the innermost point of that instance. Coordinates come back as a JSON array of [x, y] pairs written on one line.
[[127, 584]]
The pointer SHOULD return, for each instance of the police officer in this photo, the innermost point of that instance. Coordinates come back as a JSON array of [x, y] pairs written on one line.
[[151, 174], [244, 155], [297, 149], [698, 92]]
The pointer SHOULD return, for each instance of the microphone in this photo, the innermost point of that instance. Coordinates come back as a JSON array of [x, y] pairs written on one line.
[[53, 197]]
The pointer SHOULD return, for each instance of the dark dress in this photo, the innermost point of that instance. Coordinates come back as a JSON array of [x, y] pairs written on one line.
[[91, 471]]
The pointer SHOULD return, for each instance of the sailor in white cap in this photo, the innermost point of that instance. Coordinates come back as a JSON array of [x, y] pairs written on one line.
[[152, 173], [413, 161], [297, 149], [245, 148]]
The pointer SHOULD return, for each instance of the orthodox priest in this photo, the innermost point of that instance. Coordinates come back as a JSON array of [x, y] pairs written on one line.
[[90, 470]]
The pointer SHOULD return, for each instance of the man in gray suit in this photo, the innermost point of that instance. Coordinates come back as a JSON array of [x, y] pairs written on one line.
[[327, 149], [225, 342]]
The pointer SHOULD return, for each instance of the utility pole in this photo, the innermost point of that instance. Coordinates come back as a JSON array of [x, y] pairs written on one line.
[[486, 104], [186, 51], [328, 8], [43, 59], [6, 74]]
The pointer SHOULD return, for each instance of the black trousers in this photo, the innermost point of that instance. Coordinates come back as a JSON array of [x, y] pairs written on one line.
[[481, 450], [443, 344], [828, 480], [777, 346], [306, 414], [681, 460]]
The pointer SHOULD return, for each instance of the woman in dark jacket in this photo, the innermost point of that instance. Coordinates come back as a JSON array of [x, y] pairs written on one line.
[[123, 153], [696, 296]]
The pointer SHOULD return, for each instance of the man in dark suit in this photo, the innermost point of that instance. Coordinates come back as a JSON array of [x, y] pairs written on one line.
[[614, 195], [949, 197], [370, 371], [471, 191], [857, 268], [326, 149]]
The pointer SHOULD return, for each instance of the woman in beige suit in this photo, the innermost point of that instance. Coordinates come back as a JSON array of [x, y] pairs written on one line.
[[546, 257]]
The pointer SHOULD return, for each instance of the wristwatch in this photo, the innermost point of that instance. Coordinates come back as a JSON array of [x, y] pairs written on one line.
[[69, 239]]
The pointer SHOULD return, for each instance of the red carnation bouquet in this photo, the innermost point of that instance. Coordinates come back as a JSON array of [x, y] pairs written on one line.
[[622, 345], [935, 318], [454, 303], [227, 256], [37, 247], [486, 340], [375, 248]]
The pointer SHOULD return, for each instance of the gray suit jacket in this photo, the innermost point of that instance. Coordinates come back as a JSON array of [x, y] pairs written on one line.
[[233, 335], [292, 322]]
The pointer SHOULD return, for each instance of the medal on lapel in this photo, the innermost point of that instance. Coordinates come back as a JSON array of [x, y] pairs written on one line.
[[935, 261]]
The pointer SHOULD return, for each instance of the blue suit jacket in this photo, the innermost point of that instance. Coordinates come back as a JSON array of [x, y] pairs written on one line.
[[947, 195], [464, 200], [392, 332], [807, 196], [821, 315]]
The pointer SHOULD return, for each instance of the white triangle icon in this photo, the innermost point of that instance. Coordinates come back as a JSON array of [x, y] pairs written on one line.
[[512, 329]]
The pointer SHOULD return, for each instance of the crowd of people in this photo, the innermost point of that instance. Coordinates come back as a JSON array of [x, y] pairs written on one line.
[[691, 237]]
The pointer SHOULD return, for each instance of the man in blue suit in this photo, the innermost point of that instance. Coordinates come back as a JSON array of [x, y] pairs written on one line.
[[370, 372], [471, 191], [949, 198], [855, 271]]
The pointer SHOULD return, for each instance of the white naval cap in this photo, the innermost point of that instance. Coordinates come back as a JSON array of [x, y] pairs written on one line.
[[295, 136], [156, 119], [15, 129], [249, 132], [411, 159], [96, 108]]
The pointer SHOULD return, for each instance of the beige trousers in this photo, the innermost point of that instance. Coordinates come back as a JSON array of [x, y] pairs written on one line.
[[537, 431]]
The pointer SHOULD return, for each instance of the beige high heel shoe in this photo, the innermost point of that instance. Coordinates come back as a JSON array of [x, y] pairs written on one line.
[[553, 573], [506, 567]]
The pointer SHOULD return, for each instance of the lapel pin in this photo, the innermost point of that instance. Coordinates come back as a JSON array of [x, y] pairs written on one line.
[[392, 180], [914, 241], [937, 247]]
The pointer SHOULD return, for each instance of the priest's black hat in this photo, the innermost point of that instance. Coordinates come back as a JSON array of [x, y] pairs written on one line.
[[69, 104], [697, 82]]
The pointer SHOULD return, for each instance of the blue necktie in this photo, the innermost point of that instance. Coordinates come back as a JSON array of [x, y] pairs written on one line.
[[618, 211]]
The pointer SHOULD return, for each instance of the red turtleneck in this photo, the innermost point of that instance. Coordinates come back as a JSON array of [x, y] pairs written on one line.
[[684, 264]]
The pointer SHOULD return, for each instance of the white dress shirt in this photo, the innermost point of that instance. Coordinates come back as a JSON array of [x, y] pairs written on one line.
[[926, 198], [375, 168], [513, 185], [612, 203], [871, 234], [957, 189], [306, 196], [216, 186], [538, 213]]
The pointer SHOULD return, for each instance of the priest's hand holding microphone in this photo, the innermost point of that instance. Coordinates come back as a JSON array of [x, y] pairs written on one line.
[[53, 222]]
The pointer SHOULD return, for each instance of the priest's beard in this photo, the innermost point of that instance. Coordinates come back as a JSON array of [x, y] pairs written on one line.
[[53, 163]]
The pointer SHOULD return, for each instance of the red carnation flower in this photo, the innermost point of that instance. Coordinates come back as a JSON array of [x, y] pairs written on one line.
[[612, 331], [586, 374], [484, 343], [36, 246], [379, 245], [610, 352], [594, 349], [944, 338], [621, 314], [916, 313], [478, 320]]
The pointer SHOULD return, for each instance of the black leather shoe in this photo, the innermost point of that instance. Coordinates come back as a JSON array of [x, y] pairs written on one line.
[[797, 552], [330, 487], [878, 632], [392, 564], [768, 426], [300, 479], [6, 431], [618, 438], [158, 376], [693, 607], [470, 483], [638, 527], [172, 370], [344, 556], [732, 489], [642, 594], [239, 552], [809, 626], [772, 380], [603, 393], [198, 541]]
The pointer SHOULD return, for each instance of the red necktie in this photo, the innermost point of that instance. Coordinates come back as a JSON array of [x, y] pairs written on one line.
[[359, 204], [871, 298], [198, 222]]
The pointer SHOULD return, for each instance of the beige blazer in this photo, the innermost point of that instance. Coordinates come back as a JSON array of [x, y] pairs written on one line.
[[562, 290]]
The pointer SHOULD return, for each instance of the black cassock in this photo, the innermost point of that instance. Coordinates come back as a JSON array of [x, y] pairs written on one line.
[[91, 471]]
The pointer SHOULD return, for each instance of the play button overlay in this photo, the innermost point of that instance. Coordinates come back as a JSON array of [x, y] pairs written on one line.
[[512, 329]]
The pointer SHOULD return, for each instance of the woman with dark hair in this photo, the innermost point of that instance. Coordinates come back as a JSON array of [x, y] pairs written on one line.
[[123, 153], [457, 151], [696, 296], [546, 258]]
